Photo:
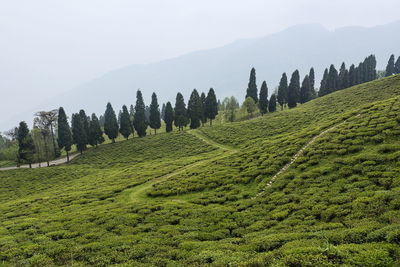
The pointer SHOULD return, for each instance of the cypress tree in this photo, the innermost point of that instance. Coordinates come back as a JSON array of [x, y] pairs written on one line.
[[64, 132], [352, 75], [95, 132], [181, 118], [163, 111], [85, 122], [78, 132], [125, 125], [343, 79], [311, 77], [211, 106], [397, 66], [323, 89], [110, 123], [139, 121], [263, 100], [370, 63], [195, 110], [305, 90], [155, 120], [169, 117], [252, 86], [390, 70], [294, 89], [272, 103], [203, 107], [26, 147], [282, 91], [332, 82]]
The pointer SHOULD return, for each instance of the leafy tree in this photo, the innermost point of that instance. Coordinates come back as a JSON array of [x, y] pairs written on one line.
[[252, 86], [203, 107], [231, 104], [95, 132], [272, 103], [263, 100], [323, 89], [85, 122], [47, 120], [125, 125], [397, 66], [139, 121], [64, 132], [26, 147], [305, 90], [250, 105], [211, 106], [390, 70], [169, 117], [294, 89], [195, 110], [110, 123], [283, 91], [311, 76], [181, 117], [155, 120], [78, 132]]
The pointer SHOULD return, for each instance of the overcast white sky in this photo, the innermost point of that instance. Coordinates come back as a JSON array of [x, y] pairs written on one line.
[[49, 46]]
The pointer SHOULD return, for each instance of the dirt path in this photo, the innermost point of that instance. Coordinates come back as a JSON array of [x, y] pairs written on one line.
[[43, 164], [298, 154], [139, 192]]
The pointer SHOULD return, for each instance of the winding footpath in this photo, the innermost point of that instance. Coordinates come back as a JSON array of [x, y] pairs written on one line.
[[298, 154], [139, 192], [42, 164]]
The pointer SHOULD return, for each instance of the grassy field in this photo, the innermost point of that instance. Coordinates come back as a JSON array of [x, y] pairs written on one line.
[[204, 197]]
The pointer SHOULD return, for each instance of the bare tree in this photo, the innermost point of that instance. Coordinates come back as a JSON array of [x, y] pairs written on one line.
[[47, 120]]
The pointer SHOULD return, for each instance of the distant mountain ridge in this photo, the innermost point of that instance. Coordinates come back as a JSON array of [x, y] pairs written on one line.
[[227, 68]]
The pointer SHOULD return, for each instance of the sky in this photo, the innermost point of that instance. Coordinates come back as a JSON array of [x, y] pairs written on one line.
[[51, 46]]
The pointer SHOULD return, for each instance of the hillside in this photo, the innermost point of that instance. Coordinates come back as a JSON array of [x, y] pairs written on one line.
[[227, 68], [212, 197]]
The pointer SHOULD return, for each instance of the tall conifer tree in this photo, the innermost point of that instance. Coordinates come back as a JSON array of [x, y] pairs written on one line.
[[211, 105], [390, 66], [305, 90], [181, 117], [283, 91], [125, 124], [110, 123], [140, 121], [263, 100], [78, 132], [272, 103], [169, 117], [311, 76], [332, 82], [294, 89], [95, 132], [155, 120], [85, 122], [195, 110], [397, 66], [64, 132], [252, 86], [203, 107]]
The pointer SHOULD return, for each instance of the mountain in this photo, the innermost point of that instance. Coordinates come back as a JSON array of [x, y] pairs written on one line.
[[316, 185], [227, 68]]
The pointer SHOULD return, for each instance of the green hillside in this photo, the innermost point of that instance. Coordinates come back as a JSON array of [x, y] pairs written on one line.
[[212, 197]]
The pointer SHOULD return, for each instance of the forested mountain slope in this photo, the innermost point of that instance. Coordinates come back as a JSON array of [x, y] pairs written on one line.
[[205, 197]]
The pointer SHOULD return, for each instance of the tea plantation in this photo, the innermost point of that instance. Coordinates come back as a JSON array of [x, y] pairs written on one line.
[[211, 197]]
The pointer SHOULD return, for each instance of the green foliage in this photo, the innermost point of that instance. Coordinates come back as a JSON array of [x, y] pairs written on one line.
[[139, 120], [78, 132], [195, 110], [211, 105], [390, 67], [169, 117], [272, 103], [125, 124], [181, 117], [252, 90], [263, 101], [250, 106], [110, 123], [26, 147], [64, 131], [294, 90], [230, 105], [282, 97], [155, 120], [95, 132]]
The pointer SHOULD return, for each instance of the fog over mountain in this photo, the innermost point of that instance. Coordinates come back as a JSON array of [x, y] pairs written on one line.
[[227, 68]]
